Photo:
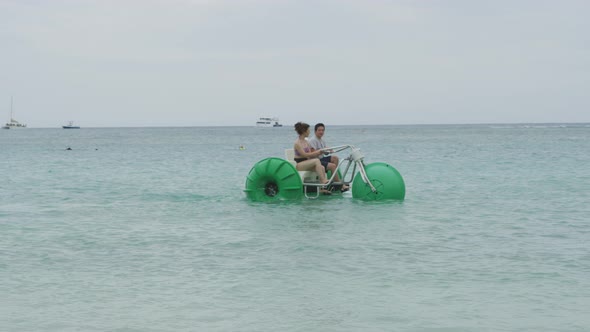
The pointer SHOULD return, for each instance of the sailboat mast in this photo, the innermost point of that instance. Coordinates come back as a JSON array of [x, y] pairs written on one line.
[[10, 108]]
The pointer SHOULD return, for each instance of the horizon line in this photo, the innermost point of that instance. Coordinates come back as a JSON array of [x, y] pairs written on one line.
[[339, 125]]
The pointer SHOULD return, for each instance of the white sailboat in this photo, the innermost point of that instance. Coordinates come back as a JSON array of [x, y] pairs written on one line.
[[13, 124]]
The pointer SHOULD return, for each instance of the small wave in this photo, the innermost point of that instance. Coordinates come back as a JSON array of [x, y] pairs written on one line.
[[554, 125], [501, 127], [174, 197]]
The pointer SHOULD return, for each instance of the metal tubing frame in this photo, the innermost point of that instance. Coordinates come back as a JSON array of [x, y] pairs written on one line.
[[356, 163]]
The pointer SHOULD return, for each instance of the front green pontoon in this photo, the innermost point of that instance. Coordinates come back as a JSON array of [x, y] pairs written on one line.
[[386, 180]]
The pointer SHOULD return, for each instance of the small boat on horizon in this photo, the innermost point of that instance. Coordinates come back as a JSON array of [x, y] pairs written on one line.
[[13, 124], [268, 122], [70, 125]]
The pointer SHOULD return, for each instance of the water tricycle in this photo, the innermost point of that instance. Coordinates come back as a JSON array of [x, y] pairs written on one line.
[[273, 179]]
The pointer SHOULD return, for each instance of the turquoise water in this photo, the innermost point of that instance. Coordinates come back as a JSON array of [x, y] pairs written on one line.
[[148, 229]]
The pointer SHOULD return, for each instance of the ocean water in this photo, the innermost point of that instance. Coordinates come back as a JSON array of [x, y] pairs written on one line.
[[148, 229]]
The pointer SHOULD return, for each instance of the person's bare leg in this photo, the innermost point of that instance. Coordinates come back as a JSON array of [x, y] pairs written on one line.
[[332, 168], [307, 165], [321, 172], [334, 160]]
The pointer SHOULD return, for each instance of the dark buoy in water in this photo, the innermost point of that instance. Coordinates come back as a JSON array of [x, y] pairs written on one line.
[[68, 148]]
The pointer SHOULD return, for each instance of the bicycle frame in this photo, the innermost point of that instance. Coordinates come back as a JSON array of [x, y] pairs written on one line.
[[354, 159]]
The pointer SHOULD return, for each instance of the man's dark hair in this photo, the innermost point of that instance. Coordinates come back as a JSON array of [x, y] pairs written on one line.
[[317, 126]]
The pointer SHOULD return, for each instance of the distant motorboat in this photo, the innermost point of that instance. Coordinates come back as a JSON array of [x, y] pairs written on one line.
[[268, 122], [70, 125], [13, 124]]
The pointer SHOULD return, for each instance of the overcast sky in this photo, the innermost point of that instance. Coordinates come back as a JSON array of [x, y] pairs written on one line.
[[222, 62]]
